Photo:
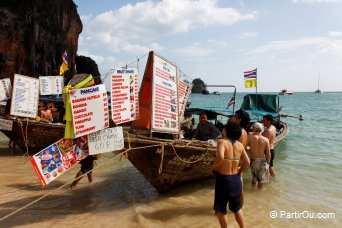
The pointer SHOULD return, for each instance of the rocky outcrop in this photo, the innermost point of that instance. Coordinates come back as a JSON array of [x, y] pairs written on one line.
[[35, 33], [198, 86]]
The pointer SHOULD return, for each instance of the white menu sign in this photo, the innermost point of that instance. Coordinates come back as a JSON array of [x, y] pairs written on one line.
[[164, 97], [136, 96], [6, 125], [5, 89], [50, 85], [184, 90], [124, 95], [106, 140], [25, 96], [89, 109]]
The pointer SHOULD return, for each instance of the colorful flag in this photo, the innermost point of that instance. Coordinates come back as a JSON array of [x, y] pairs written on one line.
[[232, 101], [250, 78], [64, 67]]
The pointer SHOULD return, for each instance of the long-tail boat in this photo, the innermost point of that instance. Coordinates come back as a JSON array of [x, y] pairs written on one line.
[[169, 163]]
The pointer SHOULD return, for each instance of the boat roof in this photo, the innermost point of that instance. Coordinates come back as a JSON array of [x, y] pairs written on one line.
[[211, 112], [257, 105]]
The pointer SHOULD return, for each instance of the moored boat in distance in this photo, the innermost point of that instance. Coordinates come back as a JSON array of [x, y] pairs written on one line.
[[318, 91], [205, 92], [216, 93], [285, 92]]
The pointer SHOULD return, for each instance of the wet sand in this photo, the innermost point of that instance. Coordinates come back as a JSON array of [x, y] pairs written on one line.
[[121, 197]]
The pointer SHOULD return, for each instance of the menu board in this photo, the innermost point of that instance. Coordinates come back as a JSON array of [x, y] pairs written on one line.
[[89, 109], [106, 140], [5, 89], [25, 96], [58, 158], [50, 85], [184, 90], [164, 97], [6, 124], [136, 96], [124, 95]]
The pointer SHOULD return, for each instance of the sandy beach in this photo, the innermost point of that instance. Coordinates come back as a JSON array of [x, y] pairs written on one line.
[[121, 197]]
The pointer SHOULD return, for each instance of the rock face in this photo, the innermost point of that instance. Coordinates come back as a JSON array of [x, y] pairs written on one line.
[[34, 35]]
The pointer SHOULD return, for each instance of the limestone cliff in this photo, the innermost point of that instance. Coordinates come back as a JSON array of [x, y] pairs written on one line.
[[34, 34]]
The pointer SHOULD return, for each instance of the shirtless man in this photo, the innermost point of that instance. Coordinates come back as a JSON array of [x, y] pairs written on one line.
[[228, 185], [270, 133], [260, 155]]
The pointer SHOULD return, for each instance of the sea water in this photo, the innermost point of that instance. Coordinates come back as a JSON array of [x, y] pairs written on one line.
[[306, 191]]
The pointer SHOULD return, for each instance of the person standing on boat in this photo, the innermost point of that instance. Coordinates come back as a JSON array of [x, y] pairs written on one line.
[[227, 170], [206, 130], [270, 133], [260, 155]]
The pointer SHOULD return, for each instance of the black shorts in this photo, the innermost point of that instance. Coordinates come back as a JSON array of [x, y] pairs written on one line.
[[272, 157], [228, 190], [87, 164]]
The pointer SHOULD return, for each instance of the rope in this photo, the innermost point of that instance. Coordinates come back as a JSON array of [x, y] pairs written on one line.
[[24, 137], [125, 153], [53, 191], [161, 151]]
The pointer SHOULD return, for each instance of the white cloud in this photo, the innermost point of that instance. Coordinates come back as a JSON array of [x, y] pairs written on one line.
[[289, 45], [335, 34], [134, 26], [194, 50], [313, 1], [248, 34], [312, 46]]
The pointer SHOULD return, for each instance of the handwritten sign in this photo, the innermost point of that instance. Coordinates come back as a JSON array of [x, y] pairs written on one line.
[[106, 140], [184, 90], [25, 96], [89, 109], [5, 89], [50, 85], [6, 125], [124, 95], [164, 97]]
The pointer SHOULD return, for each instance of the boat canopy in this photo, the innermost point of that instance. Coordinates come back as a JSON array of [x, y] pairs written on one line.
[[211, 112], [261, 104]]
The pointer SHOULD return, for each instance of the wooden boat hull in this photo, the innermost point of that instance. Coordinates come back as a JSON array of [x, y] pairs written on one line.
[[39, 135], [176, 164], [167, 165]]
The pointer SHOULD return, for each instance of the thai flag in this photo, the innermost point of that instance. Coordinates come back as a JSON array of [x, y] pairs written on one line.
[[65, 58], [232, 101], [251, 74], [64, 66]]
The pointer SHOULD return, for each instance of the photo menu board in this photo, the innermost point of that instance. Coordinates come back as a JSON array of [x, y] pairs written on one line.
[[124, 95], [25, 96], [58, 158], [50, 85], [5, 89], [164, 97], [184, 90], [89, 109]]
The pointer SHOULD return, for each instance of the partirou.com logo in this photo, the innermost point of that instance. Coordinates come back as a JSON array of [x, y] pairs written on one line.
[[280, 214]]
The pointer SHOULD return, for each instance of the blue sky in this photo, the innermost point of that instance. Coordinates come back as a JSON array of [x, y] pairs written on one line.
[[291, 42]]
